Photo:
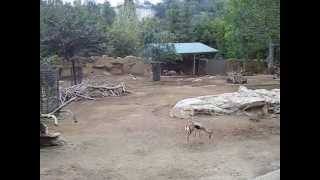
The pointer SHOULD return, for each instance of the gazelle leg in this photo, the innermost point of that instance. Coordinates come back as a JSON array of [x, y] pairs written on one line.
[[211, 137], [188, 134]]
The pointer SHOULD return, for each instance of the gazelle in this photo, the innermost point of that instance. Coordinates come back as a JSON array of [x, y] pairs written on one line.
[[193, 126]]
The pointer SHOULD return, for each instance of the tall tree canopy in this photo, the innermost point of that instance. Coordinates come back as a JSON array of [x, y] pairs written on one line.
[[124, 32], [237, 28], [71, 30], [251, 26], [68, 30]]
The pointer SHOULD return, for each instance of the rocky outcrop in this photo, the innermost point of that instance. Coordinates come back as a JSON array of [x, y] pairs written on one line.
[[117, 66], [228, 103]]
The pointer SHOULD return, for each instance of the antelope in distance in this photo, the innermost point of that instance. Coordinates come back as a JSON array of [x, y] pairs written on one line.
[[192, 127]]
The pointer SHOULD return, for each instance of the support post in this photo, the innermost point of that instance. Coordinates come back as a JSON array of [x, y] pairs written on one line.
[[198, 66], [194, 64]]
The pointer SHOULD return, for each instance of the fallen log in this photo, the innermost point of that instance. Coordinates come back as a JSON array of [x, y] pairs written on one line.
[[86, 97], [62, 105], [105, 87], [51, 114]]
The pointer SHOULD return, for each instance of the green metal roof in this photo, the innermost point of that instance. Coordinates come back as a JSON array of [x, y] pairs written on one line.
[[193, 48], [188, 48]]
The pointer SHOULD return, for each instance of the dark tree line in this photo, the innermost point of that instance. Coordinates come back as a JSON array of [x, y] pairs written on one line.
[[238, 28]]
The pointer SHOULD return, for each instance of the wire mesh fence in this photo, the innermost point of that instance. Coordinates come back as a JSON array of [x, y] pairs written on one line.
[[49, 88]]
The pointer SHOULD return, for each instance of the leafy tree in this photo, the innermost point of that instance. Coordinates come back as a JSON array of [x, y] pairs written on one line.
[[108, 13], [184, 33], [157, 46], [152, 29], [238, 28], [124, 32], [210, 31], [68, 31], [215, 8], [178, 18], [160, 52], [251, 26], [161, 8]]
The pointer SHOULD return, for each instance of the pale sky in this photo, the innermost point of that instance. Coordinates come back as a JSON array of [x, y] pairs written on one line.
[[117, 2]]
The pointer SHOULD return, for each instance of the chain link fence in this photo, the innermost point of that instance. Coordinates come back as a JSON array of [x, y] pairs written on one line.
[[49, 88]]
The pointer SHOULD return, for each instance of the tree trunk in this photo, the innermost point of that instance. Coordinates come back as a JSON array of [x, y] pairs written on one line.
[[271, 57], [74, 72]]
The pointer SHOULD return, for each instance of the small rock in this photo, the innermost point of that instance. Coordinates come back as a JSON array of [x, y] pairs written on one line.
[[196, 80], [171, 73], [106, 73]]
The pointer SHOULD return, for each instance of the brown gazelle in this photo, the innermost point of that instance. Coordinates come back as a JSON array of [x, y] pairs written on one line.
[[193, 126]]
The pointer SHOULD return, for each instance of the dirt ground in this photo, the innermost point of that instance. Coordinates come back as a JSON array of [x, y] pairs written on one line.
[[133, 137]]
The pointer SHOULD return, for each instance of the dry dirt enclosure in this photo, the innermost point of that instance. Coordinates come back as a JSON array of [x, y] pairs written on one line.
[[132, 137]]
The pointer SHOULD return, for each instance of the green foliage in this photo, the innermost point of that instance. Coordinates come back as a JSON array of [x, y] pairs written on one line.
[[108, 13], [156, 47], [210, 31], [178, 18], [125, 32], [150, 26], [68, 30], [237, 28], [251, 26], [157, 44], [160, 52], [152, 32], [71, 35], [72, 30]]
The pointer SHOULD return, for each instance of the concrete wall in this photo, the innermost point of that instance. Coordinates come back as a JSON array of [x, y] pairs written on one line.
[[215, 67], [222, 67]]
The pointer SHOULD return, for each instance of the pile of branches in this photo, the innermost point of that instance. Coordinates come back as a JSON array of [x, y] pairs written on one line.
[[87, 90], [236, 78]]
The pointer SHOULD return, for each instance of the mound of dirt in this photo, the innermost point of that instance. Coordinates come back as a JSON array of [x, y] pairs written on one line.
[[118, 66]]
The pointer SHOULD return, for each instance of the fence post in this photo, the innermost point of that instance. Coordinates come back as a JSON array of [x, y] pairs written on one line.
[[156, 71]]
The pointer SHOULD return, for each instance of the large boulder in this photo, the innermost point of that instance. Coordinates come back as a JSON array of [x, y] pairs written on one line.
[[137, 68], [227, 103], [273, 175]]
